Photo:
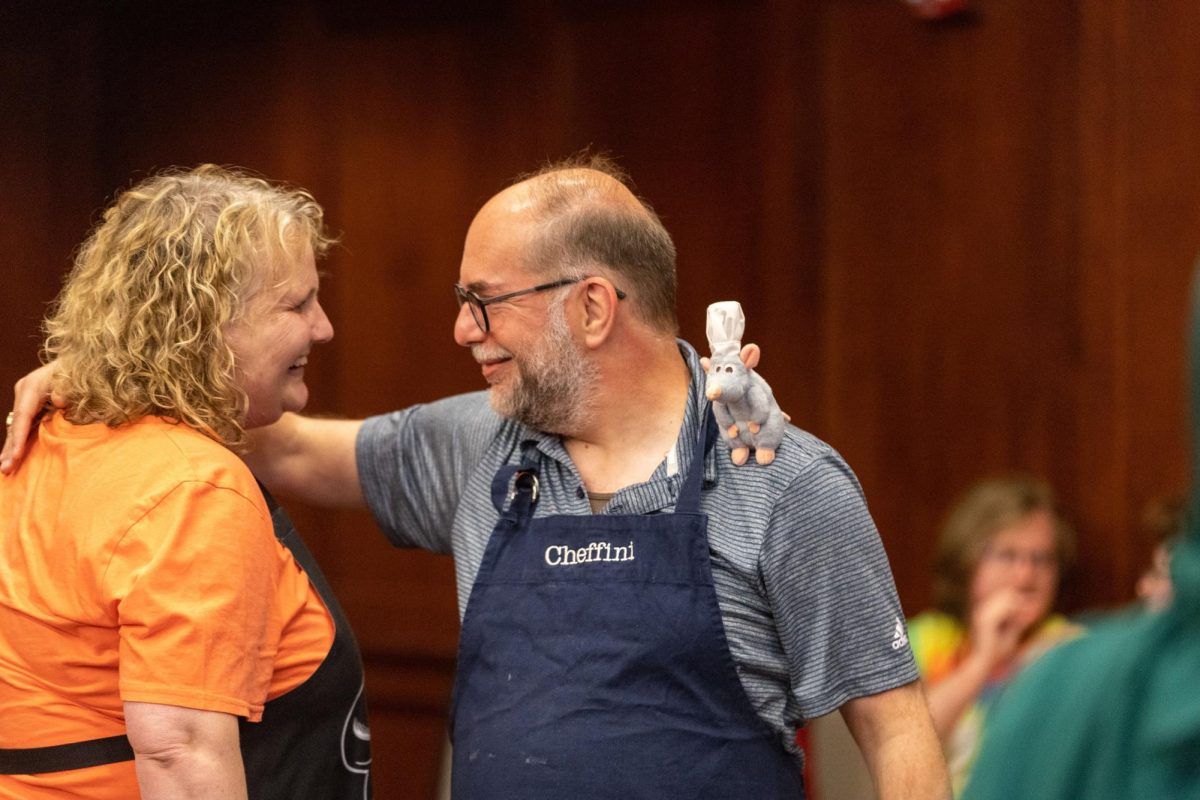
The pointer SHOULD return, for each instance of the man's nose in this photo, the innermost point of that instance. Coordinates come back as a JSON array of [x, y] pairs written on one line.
[[466, 329]]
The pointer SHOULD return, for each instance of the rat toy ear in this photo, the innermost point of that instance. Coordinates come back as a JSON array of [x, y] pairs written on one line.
[[705, 363], [750, 354]]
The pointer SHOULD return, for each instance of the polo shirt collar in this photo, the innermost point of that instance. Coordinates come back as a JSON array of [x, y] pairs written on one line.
[[661, 490]]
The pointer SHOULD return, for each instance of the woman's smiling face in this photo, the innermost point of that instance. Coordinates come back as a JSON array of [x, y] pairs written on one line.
[[273, 336]]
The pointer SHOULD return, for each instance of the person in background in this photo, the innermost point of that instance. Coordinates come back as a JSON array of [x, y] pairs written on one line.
[[1163, 520], [1002, 552], [152, 601], [1115, 714]]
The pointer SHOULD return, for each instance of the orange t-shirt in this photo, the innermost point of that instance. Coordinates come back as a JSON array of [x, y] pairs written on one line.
[[138, 563]]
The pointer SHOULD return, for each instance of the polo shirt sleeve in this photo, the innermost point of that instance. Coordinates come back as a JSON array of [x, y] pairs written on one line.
[[831, 591], [413, 465], [193, 585]]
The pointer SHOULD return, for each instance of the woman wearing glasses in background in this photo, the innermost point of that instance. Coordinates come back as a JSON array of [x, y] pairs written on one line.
[[1001, 555]]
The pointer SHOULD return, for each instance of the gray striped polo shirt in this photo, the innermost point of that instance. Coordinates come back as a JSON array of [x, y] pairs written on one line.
[[806, 595]]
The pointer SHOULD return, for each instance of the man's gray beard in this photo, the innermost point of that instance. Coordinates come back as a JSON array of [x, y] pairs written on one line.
[[554, 390]]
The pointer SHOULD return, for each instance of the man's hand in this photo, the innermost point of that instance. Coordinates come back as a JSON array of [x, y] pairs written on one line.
[[30, 395]]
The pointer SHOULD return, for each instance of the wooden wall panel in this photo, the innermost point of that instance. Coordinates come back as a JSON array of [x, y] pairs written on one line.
[[1139, 236], [48, 183], [965, 247], [1163, 225], [1104, 198], [950, 258]]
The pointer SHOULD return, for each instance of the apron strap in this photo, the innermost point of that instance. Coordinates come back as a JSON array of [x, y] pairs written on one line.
[[63, 757], [289, 538], [688, 501], [272, 504]]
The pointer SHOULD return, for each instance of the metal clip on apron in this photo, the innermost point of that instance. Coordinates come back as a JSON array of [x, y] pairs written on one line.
[[593, 661]]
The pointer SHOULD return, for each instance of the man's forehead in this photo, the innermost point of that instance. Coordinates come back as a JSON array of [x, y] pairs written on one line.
[[512, 222], [494, 255], [516, 201], [494, 278]]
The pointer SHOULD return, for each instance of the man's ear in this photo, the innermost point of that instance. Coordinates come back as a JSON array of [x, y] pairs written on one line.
[[599, 310], [750, 354]]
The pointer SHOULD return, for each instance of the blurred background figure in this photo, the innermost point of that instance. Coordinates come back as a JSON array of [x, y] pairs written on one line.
[[1003, 550], [1115, 714], [1163, 521]]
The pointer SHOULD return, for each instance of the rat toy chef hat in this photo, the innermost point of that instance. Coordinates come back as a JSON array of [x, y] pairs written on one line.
[[726, 323]]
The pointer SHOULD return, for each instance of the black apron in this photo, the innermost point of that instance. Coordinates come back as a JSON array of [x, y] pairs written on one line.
[[593, 661], [312, 742]]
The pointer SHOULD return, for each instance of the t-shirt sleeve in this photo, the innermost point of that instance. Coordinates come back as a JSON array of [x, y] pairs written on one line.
[[193, 583], [831, 590], [414, 463]]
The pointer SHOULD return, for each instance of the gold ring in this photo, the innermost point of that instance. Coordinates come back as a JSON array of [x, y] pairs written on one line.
[[8, 420]]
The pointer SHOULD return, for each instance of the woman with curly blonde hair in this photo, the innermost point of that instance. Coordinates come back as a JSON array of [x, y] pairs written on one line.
[[152, 601]]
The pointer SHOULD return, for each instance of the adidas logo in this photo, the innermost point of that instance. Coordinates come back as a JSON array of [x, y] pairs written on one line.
[[900, 636]]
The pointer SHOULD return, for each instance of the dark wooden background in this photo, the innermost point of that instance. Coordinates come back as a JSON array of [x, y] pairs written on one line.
[[965, 247]]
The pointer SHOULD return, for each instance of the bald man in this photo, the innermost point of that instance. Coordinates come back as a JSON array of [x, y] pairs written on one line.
[[640, 618]]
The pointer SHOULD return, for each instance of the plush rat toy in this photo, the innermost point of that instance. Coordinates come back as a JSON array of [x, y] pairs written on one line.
[[742, 402]]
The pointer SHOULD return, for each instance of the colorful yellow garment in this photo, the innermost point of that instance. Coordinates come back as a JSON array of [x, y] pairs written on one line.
[[939, 645]]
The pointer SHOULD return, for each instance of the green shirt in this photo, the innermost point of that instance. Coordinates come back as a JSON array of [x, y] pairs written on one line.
[[939, 645], [1115, 714]]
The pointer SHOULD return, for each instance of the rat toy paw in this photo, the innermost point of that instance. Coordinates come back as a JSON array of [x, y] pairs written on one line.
[[764, 456]]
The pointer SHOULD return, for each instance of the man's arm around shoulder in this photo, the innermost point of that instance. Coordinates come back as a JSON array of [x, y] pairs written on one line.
[[308, 459], [895, 734]]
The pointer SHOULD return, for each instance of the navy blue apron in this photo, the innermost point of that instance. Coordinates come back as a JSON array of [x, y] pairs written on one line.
[[593, 661]]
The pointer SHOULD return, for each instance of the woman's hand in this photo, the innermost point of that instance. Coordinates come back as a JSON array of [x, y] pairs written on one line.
[[999, 622], [998, 625], [30, 396]]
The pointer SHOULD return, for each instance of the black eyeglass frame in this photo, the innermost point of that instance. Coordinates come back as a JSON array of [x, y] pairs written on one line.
[[478, 305]]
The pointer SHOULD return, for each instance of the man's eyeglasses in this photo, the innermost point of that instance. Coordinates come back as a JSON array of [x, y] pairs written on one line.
[[478, 305]]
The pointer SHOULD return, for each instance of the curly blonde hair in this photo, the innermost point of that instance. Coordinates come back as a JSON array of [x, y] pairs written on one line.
[[139, 327]]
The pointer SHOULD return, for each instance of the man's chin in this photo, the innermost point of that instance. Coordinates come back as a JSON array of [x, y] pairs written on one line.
[[500, 401]]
